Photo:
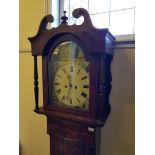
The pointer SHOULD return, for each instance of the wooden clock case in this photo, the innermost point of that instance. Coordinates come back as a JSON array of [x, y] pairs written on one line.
[[72, 131]]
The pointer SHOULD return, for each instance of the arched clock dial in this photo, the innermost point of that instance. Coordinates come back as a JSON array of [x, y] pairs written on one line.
[[71, 85]]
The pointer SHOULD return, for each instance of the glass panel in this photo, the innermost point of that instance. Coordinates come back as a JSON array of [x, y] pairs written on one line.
[[121, 4], [97, 6], [122, 22], [100, 20], [67, 51], [69, 76]]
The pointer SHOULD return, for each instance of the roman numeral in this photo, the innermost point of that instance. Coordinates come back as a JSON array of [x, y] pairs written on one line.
[[71, 68], [59, 76], [70, 101], [84, 94], [57, 83], [78, 100], [85, 86], [87, 69], [84, 77], [64, 97], [58, 91], [78, 71], [84, 105], [64, 70]]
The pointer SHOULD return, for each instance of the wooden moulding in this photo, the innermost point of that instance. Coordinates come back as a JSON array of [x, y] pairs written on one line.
[[86, 31], [87, 121]]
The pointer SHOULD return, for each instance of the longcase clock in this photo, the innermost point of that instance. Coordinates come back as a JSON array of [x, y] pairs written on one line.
[[76, 82]]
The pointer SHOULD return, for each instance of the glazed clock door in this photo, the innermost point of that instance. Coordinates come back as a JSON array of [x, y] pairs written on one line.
[[69, 77]]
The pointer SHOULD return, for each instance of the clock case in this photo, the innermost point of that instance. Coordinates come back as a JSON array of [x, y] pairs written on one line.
[[74, 131], [97, 45]]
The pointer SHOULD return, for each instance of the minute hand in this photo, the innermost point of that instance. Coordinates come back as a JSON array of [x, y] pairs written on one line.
[[69, 78], [70, 86]]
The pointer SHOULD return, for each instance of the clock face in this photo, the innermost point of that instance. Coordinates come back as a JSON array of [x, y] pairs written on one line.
[[69, 77], [71, 85]]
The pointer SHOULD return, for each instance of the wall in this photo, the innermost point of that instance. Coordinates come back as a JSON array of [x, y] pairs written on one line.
[[117, 137], [33, 137]]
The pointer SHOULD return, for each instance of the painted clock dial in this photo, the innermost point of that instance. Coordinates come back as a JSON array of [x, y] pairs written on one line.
[[71, 84], [69, 76]]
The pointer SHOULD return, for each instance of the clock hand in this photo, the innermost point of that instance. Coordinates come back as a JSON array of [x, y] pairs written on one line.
[[69, 85], [69, 78], [68, 94]]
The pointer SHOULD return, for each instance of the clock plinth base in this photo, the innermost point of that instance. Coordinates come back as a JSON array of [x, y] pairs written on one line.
[[70, 138]]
